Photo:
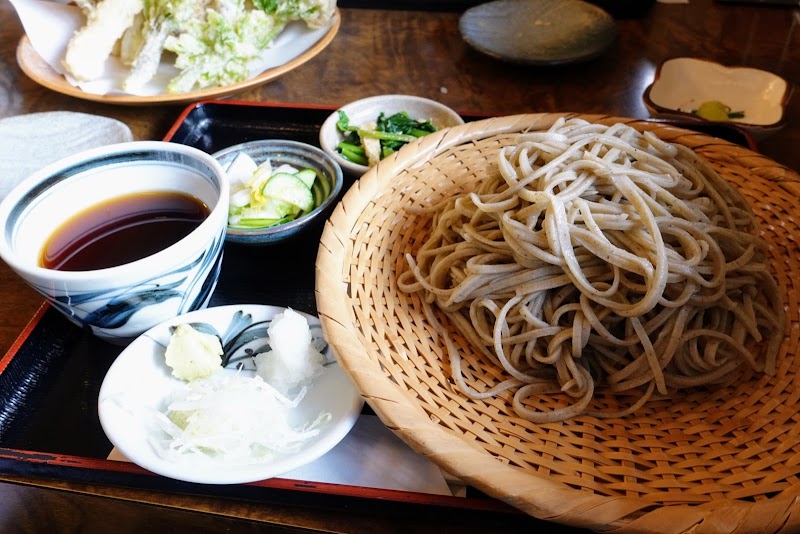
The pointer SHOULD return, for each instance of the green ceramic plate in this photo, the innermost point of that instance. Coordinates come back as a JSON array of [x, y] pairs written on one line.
[[539, 32]]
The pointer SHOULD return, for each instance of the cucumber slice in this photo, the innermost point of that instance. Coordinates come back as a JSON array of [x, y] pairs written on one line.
[[257, 223], [308, 176], [326, 185], [318, 193], [289, 188]]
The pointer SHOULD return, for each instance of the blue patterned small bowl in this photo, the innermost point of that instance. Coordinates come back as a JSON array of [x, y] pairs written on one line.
[[298, 155], [119, 303]]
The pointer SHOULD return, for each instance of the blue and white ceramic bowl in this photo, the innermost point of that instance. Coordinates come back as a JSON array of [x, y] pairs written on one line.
[[119, 303]]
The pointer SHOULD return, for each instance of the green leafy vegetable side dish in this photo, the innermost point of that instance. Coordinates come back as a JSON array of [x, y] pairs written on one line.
[[368, 144]]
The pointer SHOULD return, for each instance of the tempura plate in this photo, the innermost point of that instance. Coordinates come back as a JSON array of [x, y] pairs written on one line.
[[39, 71]]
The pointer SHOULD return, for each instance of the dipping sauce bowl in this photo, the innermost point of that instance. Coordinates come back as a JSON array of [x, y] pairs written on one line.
[[117, 302]]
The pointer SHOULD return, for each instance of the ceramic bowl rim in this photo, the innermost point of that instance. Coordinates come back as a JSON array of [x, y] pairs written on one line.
[[208, 226], [330, 124]]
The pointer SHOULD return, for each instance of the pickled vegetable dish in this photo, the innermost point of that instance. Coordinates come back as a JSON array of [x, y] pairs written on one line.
[[264, 195]]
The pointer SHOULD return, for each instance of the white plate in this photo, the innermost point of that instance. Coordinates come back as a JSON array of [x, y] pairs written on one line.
[[139, 382]]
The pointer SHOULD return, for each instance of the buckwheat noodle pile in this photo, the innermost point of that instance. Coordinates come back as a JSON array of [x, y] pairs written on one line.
[[599, 257]]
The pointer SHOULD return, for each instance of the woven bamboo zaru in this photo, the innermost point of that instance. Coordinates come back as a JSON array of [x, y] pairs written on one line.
[[722, 459]]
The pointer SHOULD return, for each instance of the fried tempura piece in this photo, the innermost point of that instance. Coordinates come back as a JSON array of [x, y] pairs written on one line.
[[90, 46], [131, 42], [160, 19], [87, 6]]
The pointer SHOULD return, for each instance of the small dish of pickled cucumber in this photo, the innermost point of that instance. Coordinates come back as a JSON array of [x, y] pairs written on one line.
[[277, 188]]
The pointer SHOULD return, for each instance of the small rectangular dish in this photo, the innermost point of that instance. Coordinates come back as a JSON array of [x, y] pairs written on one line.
[[706, 91]]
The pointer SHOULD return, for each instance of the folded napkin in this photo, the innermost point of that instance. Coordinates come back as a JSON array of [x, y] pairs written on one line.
[[370, 456], [30, 142]]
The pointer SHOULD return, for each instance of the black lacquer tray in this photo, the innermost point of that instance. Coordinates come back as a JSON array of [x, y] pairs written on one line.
[[51, 376]]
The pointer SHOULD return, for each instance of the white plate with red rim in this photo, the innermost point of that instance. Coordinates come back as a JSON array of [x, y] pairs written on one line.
[[139, 383]]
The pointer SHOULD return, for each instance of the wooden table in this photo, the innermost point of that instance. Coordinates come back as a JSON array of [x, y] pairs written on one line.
[[388, 51]]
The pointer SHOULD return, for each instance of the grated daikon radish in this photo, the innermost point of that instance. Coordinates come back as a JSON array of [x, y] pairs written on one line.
[[293, 360]]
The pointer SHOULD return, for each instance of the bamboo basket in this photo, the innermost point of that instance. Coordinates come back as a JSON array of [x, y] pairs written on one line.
[[707, 460]]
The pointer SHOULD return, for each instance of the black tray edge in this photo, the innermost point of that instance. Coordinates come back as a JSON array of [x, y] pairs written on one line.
[[84, 469], [94, 470]]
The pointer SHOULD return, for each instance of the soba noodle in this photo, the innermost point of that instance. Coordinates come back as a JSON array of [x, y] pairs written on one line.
[[599, 257]]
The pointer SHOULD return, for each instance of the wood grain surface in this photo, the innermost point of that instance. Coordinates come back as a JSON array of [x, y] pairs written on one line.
[[375, 52]]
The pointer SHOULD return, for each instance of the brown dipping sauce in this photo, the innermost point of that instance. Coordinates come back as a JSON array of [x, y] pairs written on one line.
[[122, 230]]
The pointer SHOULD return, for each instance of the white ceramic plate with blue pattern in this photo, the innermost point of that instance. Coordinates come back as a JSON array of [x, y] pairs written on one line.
[[139, 384]]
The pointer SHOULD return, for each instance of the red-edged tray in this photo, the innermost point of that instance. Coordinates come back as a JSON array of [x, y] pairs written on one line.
[[51, 376]]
